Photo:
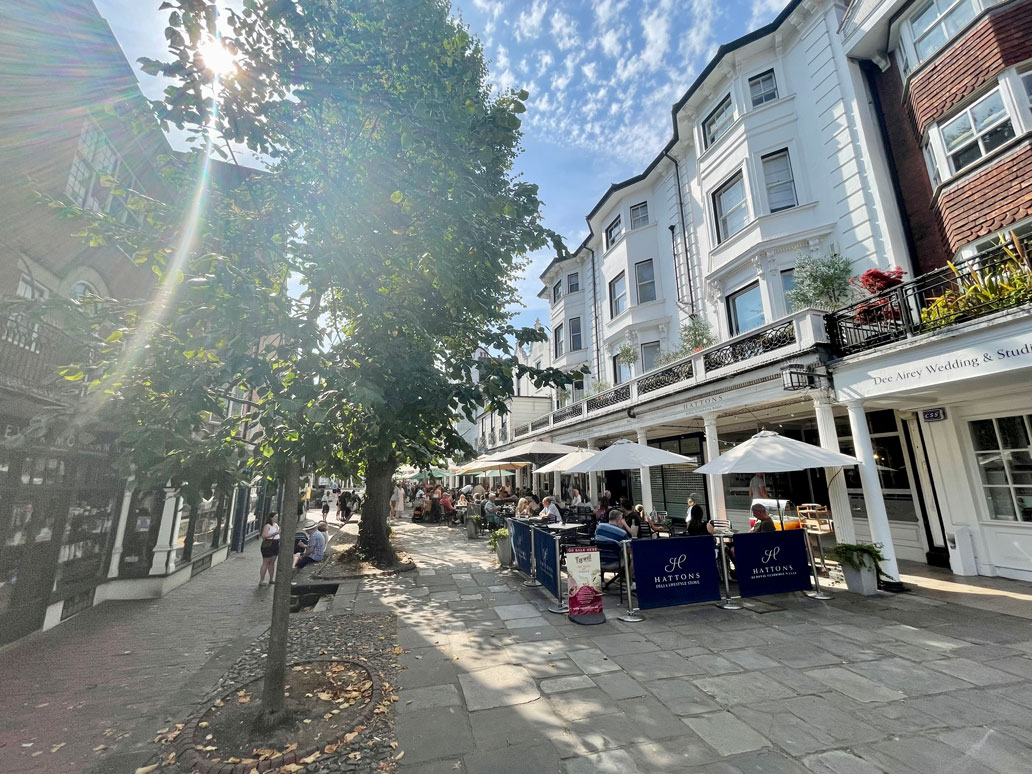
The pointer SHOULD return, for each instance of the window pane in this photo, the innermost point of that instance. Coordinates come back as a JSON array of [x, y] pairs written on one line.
[[617, 295], [787, 280], [1027, 80], [990, 468], [931, 43], [924, 18], [1013, 434], [777, 171], [745, 310], [988, 111], [983, 435], [649, 353], [966, 156], [1000, 502], [888, 453], [763, 89], [640, 215], [958, 17], [646, 282], [957, 132], [573, 282], [997, 136], [1019, 463], [1024, 497]]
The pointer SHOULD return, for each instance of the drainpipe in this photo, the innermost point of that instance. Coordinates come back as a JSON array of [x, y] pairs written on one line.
[[594, 315], [684, 232]]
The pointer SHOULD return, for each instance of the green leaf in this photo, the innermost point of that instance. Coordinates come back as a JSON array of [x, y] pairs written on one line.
[[397, 196], [114, 336]]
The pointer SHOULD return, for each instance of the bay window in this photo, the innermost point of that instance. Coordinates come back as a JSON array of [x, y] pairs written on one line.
[[977, 130], [745, 309], [613, 232], [730, 208], [777, 175], [559, 341], [576, 337]]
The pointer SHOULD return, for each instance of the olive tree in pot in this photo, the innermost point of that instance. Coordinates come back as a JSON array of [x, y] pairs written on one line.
[[499, 543], [859, 566]]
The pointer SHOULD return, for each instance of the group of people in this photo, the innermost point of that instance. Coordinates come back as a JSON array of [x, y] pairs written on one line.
[[309, 545], [347, 503]]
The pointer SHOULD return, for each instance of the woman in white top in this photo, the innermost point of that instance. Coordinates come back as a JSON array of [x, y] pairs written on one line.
[[270, 548]]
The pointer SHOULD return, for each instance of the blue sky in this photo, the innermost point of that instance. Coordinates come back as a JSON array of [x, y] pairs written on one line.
[[602, 76]]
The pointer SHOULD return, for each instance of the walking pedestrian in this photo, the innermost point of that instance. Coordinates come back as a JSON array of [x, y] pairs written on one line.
[[269, 548]]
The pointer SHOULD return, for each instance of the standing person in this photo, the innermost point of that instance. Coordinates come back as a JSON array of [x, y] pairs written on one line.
[[399, 504], [316, 547], [339, 493], [344, 503], [757, 488], [270, 548], [435, 505], [327, 498], [698, 522]]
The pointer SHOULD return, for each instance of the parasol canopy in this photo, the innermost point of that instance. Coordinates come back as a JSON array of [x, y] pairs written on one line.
[[626, 455], [567, 461], [771, 452]]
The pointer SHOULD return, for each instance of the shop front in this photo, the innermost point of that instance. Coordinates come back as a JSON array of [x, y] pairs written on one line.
[[965, 403], [58, 511]]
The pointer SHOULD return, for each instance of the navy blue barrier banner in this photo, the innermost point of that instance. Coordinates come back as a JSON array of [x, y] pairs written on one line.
[[521, 545], [546, 561], [675, 571], [772, 562]]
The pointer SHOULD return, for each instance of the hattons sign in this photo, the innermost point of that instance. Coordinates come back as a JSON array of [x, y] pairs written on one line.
[[675, 571], [772, 562]]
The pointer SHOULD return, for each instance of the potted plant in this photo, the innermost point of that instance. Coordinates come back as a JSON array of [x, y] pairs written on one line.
[[822, 282], [499, 543], [859, 566], [472, 525], [627, 355], [695, 335]]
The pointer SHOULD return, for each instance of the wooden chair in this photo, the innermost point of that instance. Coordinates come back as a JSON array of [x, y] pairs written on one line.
[[816, 521]]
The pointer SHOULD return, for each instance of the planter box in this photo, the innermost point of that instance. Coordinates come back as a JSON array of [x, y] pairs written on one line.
[[504, 551], [471, 528], [863, 581]]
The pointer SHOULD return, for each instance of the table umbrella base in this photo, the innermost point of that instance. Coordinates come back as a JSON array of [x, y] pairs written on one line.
[[532, 582], [630, 618], [818, 595], [563, 608]]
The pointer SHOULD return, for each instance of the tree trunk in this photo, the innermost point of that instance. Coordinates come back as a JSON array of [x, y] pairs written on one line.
[[274, 706], [374, 540]]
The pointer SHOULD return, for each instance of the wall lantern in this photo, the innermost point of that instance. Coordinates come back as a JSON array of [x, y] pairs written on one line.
[[795, 377]]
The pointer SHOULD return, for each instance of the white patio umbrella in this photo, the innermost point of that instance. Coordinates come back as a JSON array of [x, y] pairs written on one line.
[[533, 449], [769, 452], [567, 461], [625, 455], [479, 466]]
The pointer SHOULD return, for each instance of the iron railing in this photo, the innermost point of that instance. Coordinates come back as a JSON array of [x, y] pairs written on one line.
[[569, 412], [611, 398], [759, 343], [991, 281], [539, 423], [30, 355], [657, 380], [521, 431]]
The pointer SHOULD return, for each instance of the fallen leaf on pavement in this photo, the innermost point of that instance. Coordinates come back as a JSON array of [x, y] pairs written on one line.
[[57, 747], [330, 749], [147, 769]]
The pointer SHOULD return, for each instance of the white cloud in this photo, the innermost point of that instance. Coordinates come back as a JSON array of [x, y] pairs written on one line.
[[608, 9], [529, 24], [611, 43], [699, 42], [764, 11], [564, 30], [491, 7], [590, 71]]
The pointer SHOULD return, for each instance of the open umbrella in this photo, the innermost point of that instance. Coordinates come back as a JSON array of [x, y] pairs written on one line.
[[477, 466], [534, 449], [625, 455], [771, 452], [567, 461]]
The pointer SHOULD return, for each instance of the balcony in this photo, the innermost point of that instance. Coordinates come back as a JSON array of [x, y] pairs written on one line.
[[800, 332], [30, 354], [991, 281]]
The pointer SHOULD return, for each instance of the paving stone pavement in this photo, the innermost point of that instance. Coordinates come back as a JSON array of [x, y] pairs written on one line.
[[898, 684]]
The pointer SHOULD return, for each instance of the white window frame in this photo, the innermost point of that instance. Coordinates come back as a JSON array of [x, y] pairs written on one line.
[[571, 279], [1018, 114], [649, 344], [725, 108], [638, 283], [95, 157], [766, 95], [767, 185], [557, 292], [613, 313], [619, 370], [614, 231], [719, 216], [577, 345], [911, 59], [559, 342], [636, 215], [733, 325]]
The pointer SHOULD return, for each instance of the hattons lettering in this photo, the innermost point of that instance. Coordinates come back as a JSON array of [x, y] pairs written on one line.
[[675, 563], [771, 554]]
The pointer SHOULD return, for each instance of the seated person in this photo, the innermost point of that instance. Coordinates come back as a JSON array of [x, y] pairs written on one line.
[[301, 537], [606, 530], [550, 512], [764, 523], [698, 522], [615, 518], [534, 503], [490, 508], [577, 499], [316, 549], [523, 509], [603, 508]]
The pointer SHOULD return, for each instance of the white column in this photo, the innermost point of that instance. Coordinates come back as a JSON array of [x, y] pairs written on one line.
[[646, 479], [717, 510], [557, 484], [519, 479], [874, 503], [592, 479], [163, 542], [841, 514], [123, 516]]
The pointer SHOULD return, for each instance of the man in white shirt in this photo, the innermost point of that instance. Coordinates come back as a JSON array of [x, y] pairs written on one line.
[[550, 512], [576, 498], [757, 488]]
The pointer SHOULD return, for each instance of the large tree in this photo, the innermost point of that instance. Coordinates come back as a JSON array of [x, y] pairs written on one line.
[[345, 291]]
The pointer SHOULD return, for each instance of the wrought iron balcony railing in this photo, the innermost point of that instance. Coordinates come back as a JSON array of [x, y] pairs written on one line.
[[31, 353], [994, 280]]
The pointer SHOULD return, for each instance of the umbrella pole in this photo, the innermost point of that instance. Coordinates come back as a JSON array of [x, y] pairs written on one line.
[[777, 501], [632, 612]]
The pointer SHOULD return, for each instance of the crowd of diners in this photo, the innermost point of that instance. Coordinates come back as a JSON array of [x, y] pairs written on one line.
[[436, 503]]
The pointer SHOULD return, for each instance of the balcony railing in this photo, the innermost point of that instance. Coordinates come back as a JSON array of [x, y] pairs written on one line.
[[492, 439], [521, 431], [30, 354], [991, 281]]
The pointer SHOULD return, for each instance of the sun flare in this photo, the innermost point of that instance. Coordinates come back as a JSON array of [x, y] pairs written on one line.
[[217, 58]]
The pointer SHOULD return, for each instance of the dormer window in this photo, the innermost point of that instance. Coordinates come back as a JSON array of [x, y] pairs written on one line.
[[613, 232], [718, 122]]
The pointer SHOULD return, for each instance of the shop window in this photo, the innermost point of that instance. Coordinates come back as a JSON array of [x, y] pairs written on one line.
[[1003, 454], [980, 128], [718, 121], [84, 544], [639, 215], [645, 278], [763, 88], [730, 208], [745, 309]]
